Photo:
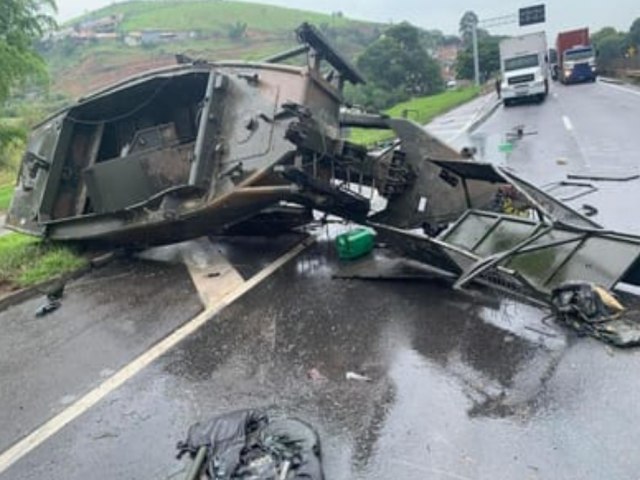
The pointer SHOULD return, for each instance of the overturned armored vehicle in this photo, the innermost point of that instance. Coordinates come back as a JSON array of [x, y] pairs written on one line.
[[190, 150], [213, 148], [205, 148]]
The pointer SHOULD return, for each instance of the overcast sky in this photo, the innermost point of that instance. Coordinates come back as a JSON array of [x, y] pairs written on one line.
[[444, 14]]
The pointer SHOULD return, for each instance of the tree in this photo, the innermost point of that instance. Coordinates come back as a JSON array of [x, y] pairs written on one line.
[[634, 33], [601, 34], [431, 39], [612, 48], [468, 20], [397, 62], [610, 45], [238, 31], [22, 24], [489, 55]]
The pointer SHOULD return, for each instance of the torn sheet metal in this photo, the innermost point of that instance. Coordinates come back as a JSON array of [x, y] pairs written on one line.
[[520, 255]]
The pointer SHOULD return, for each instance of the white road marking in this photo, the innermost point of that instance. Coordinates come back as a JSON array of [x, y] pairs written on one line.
[[622, 89], [54, 425], [567, 123]]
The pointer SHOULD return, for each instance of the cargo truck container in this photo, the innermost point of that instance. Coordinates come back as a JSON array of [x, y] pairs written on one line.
[[525, 67], [576, 57]]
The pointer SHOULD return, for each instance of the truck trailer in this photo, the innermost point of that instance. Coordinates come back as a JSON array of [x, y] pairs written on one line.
[[525, 67], [576, 57]]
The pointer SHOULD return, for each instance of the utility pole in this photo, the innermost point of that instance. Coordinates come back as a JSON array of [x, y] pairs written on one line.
[[476, 59]]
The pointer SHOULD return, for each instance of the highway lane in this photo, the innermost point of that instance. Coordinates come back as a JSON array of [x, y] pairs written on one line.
[[462, 387], [586, 128]]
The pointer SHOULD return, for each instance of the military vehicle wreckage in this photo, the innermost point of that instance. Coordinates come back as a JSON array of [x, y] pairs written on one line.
[[213, 148]]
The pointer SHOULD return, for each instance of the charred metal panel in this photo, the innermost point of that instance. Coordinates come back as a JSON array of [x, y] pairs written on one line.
[[159, 136], [428, 198], [448, 259], [33, 177], [210, 121], [315, 39], [125, 182], [55, 171]]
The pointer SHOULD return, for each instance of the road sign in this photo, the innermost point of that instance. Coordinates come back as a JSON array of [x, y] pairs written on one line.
[[532, 15]]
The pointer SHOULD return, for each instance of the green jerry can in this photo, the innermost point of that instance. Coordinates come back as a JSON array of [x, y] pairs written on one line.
[[355, 244]]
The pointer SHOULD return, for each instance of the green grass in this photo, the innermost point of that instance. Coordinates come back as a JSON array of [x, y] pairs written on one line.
[[6, 192], [26, 261], [210, 16], [421, 110], [269, 29]]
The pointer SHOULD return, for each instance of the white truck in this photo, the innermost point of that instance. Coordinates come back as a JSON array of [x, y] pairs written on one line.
[[524, 64]]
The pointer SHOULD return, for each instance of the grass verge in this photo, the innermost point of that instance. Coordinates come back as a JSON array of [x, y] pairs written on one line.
[[6, 192], [421, 110], [26, 261]]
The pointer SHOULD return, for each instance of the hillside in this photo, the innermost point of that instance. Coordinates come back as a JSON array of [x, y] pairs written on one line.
[[125, 38]]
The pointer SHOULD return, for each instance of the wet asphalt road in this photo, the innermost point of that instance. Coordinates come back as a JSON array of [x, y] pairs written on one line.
[[585, 129], [462, 386], [106, 319]]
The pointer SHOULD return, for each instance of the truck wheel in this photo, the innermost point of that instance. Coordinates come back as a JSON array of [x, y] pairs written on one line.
[[506, 102]]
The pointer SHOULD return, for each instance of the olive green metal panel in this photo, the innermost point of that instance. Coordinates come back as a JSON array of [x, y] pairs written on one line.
[[544, 261], [470, 231], [600, 260], [537, 266], [117, 184], [504, 236]]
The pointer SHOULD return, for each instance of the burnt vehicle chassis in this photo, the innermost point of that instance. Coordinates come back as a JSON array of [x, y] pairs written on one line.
[[214, 148]]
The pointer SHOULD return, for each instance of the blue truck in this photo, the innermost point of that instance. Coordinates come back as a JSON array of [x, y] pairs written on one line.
[[576, 57]]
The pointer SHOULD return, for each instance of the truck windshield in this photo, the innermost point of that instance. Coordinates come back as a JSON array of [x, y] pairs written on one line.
[[526, 61], [578, 54]]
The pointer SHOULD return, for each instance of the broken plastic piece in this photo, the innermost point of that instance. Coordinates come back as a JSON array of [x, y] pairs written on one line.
[[355, 244], [357, 376], [315, 375]]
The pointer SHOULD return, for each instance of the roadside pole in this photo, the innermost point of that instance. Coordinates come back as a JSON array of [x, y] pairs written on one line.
[[526, 16], [476, 59]]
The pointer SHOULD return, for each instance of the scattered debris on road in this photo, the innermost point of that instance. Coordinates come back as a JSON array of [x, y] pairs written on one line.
[[605, 176], [356, 376], [575, 189], [592, 310], [250, 444], [47, 308], [315, 375]]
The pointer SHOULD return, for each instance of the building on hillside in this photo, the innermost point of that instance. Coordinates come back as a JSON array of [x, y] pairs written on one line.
[[108, 24], [152, 37], [133, 39], [446, 56]]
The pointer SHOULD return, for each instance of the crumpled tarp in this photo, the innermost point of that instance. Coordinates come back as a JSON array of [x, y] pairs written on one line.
[[248, 444], [592, 310]]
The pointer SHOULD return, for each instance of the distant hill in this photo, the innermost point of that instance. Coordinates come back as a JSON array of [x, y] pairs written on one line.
[[126, 38]]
